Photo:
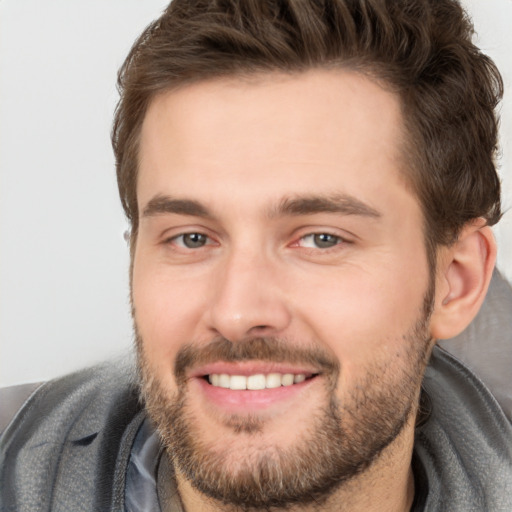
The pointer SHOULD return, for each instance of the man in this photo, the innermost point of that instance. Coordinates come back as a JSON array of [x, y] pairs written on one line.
[[311, 187]]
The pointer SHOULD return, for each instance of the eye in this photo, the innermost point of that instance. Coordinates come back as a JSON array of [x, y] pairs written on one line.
[[191, 240], [320, 241]]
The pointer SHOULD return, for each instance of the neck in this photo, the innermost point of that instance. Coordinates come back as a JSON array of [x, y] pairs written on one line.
[[386, 486]]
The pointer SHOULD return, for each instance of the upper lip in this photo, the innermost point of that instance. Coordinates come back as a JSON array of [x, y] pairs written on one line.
[[250, 368]]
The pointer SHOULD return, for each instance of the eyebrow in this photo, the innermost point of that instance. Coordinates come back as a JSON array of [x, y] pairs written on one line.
[[165, 204], [338, 203], [303, 205]]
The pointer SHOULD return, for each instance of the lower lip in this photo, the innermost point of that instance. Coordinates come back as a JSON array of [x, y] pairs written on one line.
[[250, 400]]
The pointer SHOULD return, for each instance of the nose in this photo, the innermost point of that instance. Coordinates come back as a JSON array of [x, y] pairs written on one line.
[[247, 298]]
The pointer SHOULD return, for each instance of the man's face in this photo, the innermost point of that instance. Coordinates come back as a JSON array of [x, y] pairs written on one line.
[[281, 250]]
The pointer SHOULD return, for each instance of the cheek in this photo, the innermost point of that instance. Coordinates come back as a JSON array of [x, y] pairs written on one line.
[[365, 324], [364, 314], [167, 312]]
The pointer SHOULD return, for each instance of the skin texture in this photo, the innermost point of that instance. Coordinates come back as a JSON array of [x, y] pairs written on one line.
[[258, 167]]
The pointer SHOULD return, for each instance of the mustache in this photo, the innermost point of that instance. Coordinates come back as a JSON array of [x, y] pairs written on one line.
[[267, 349]]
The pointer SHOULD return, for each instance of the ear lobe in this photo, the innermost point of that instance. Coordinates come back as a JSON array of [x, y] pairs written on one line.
[[464, 271]]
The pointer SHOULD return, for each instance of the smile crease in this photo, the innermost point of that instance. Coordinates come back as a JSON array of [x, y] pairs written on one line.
[[255, 382]]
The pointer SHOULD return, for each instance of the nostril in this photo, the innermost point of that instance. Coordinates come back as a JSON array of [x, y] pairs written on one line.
[[260, 330]]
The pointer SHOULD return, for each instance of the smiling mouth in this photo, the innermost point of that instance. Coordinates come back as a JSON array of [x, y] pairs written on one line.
[[257, 381]]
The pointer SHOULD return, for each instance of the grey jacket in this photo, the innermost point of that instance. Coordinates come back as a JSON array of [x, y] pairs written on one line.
[[68, 447]]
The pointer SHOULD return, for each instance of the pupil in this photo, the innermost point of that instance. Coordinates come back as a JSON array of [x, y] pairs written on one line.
[[324, 240], [194, 240]]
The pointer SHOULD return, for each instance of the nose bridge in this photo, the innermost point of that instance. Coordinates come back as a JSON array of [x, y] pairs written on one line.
[[246, 299]]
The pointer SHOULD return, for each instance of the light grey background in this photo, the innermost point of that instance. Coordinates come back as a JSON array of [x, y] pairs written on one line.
[[63, 261]]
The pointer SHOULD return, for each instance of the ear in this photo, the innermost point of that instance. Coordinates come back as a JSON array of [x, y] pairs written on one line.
[[464, 271]]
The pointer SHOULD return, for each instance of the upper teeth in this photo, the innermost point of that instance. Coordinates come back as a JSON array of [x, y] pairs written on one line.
[[255, 382]]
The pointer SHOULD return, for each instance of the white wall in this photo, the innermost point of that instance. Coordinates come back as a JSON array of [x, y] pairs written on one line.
[[493, 23], [63, 260]]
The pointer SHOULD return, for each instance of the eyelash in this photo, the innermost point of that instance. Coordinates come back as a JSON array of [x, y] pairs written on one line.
[[181, 237], [336, 239]]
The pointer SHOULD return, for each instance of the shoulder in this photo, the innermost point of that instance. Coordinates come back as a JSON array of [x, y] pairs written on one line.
[[466, 444], [67, 436], [81, 401]]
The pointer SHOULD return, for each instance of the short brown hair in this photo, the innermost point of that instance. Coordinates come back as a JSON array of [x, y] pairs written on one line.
[[421, 49]]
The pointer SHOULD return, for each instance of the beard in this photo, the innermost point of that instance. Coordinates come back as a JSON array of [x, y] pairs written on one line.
[[340, 442]]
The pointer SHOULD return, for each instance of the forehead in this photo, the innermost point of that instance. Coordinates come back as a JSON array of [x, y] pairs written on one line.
[[272, 136]]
